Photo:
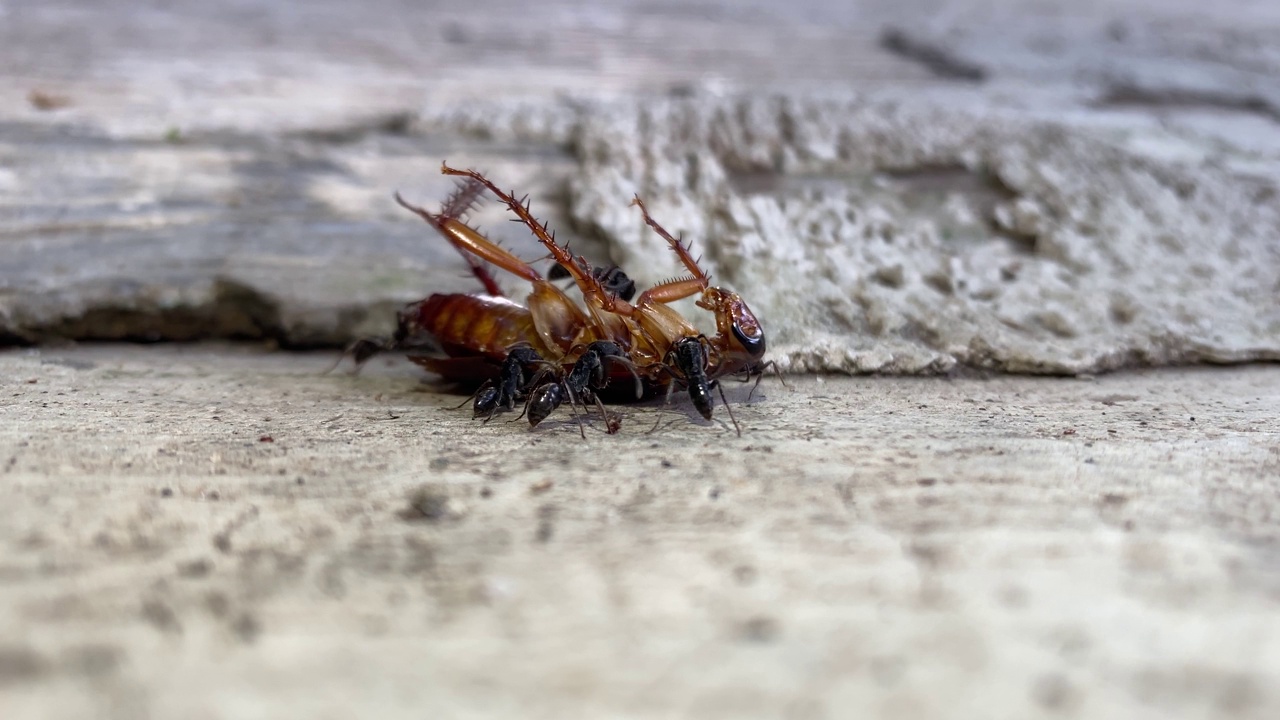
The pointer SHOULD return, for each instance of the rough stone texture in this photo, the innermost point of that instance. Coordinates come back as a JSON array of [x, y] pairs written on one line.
[[880, 236], [892, 195], [218, 532]]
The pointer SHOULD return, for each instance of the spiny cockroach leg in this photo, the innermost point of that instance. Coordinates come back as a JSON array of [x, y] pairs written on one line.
[[577, 267], [676, 288], [680, 248], [455, 207], [467, 240]]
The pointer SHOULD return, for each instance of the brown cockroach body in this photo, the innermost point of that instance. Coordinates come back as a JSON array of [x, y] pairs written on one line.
[[491, 338], [659, 342], [515, 347], [483, 326], [478, 325]]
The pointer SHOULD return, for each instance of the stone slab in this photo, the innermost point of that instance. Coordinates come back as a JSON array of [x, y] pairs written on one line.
[[168, 175]]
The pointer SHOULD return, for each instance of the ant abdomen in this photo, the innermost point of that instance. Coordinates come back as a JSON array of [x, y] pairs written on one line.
[[544, 401]]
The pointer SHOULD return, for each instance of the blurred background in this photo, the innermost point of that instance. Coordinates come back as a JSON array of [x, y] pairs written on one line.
[[898, 186]]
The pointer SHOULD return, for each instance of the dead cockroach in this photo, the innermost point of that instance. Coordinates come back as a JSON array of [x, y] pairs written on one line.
[[661, 344], [489, 338]]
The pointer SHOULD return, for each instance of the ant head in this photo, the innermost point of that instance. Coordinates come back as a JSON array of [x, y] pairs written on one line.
[[731, 311]]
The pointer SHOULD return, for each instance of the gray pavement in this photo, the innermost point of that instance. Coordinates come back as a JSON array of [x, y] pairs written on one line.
[[209, 531]]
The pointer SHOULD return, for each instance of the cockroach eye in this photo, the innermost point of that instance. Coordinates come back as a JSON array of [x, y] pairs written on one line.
[[754, 345]]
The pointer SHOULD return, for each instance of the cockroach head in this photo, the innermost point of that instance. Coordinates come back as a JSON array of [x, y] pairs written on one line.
[[732, 311]]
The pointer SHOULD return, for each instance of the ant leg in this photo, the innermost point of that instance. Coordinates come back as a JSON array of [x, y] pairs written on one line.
[[728, 409], [612, 423], [666, 402], [573, 401]]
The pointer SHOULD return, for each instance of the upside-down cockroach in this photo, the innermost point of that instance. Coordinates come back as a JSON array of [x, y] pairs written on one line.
[[662, 344], [490, 338], [483, 336]]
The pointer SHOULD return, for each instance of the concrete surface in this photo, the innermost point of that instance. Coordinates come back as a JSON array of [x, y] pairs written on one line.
[[212, 531]]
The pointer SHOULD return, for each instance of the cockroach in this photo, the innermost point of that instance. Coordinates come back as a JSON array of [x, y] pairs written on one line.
[[476, 332], [489, 338], [650, 332]]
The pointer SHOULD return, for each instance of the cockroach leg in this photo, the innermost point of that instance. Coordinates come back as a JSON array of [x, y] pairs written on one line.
[[467, 241], [678, 288], [576, 266], [360, 351], [459, 203], [573, 410]]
